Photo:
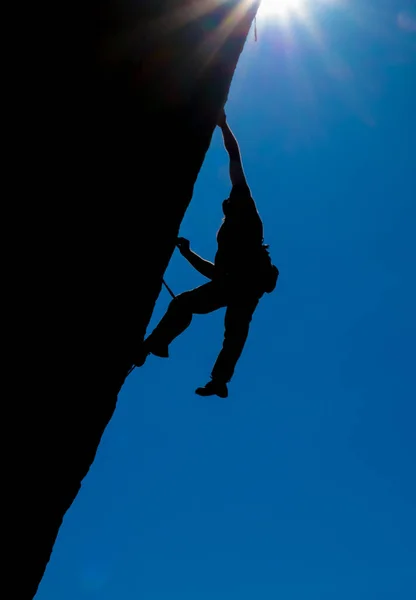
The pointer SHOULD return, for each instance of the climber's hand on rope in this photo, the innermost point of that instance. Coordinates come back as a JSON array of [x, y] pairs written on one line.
[[183, 244]]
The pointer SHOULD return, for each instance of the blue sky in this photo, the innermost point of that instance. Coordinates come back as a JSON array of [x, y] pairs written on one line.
[[301, 485]]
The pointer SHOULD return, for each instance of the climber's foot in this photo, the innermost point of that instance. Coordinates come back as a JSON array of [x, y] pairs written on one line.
[[141, 355], [147, 348], [161, 350], [213, 388]]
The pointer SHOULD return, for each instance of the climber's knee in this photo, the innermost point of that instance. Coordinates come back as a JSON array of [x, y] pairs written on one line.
[[181, 303]]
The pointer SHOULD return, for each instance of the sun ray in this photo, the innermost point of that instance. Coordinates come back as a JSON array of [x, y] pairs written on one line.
[[282, 9]]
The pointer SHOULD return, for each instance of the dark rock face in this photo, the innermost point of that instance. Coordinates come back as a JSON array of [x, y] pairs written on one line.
[[124, 97]]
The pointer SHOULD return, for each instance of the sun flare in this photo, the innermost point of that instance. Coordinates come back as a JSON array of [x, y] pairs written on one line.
[[281, 8]]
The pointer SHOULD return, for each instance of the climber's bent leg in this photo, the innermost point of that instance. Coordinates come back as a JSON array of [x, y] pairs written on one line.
[[201, 300]]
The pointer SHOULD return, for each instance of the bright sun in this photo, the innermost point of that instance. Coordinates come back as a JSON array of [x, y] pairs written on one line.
[[281, 8]]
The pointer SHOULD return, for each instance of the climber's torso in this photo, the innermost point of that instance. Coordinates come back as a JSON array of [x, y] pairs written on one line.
[[240, 237]]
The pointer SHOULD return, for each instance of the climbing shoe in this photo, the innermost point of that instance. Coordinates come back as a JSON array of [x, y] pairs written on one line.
[[159, 350], [213, 388], [140, 356], [150, 348]]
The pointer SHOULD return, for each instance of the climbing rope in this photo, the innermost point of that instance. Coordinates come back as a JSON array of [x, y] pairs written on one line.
[[168, 288]]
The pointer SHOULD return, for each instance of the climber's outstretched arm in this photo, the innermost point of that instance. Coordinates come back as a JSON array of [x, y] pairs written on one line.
[[205, 267], [231, 145]]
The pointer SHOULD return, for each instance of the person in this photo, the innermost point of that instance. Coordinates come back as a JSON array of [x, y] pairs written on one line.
[[239, 276]]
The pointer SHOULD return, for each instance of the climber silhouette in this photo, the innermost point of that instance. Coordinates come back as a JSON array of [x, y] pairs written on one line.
[[241, 273]]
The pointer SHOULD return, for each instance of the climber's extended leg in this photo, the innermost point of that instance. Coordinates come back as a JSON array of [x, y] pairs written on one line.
[[201, 300], [237, 322]]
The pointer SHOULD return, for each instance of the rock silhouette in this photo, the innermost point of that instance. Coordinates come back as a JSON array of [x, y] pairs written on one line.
[[120, 102]]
